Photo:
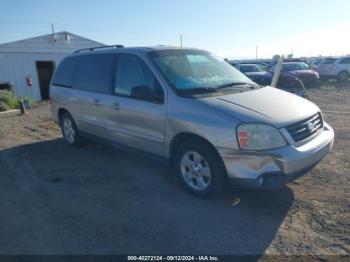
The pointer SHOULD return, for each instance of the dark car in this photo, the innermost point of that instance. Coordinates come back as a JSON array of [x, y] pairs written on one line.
[[286, 60], [256, 72], [292, 71]]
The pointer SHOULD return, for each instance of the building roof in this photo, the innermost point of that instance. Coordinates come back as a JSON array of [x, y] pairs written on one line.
[[61, 42]]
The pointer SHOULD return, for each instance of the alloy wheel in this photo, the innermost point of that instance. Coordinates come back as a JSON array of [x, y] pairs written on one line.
[[68, 131], [195, 170]]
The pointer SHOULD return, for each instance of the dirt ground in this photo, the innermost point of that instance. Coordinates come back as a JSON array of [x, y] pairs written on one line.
[[101, 200]]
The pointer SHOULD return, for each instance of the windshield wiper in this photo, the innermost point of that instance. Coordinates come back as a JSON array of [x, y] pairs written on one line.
[[237, 84], [197, 90], [213, 89]]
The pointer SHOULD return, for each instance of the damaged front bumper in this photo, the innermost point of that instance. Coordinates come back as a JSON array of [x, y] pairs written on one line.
[[275, 168]]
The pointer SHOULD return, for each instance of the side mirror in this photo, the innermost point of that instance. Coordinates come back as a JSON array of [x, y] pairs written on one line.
[[144, 92]]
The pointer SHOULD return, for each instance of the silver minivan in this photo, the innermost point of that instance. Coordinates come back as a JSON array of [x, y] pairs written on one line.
[[193, 108]]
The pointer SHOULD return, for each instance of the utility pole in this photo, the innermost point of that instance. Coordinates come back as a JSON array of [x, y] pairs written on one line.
[[52, 29], [256, 52], [53, 33], [181, 40], [277, 72]]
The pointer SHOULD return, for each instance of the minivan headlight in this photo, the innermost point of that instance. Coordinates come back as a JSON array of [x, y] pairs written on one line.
[[259, 137]]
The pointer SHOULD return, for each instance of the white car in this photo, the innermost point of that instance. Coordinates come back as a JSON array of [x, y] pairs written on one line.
[[334, 67]]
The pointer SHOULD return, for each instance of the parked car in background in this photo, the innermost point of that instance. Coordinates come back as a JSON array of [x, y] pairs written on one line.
[[334, 68], [316, 61], [212, 122], [292, 71], [286, 60], [256, 72], [261, 76], [262, 62]]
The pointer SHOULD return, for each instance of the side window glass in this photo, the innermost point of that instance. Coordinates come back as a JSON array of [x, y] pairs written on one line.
[[64, 73], [135, 79], [345, 61], [94, 73]]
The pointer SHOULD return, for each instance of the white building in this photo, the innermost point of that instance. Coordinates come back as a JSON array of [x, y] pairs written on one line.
[[30, 63]]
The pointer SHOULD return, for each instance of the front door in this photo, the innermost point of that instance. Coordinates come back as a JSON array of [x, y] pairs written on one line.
[[137, 121]]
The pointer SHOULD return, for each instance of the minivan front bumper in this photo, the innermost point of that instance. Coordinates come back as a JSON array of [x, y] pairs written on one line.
[[275, 168]]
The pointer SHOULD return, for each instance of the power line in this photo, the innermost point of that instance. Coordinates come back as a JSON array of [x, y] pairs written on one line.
[[110, 29]]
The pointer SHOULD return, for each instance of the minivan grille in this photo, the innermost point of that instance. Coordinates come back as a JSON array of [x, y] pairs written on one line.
[[305, 128]]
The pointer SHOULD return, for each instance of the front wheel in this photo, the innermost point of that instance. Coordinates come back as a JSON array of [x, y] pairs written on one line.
[[199, 169]]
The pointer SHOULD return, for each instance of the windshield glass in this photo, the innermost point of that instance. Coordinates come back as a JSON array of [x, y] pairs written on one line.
[[249, 68], [316, 62], [295, 66], [192, 69]]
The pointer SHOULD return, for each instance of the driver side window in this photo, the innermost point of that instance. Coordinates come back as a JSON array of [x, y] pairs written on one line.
[[135, 79]]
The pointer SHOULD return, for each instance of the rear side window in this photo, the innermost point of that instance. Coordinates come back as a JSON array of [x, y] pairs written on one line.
[[64, 73], [95, 73], [345, 61]]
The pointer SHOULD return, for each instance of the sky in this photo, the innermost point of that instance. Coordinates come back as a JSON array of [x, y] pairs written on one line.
[[229, 28]]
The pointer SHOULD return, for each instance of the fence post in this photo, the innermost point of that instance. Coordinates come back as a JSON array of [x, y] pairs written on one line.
[[22, 107], [277, 72]]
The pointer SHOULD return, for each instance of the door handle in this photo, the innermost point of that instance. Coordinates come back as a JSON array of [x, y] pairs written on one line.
[[116, 106]]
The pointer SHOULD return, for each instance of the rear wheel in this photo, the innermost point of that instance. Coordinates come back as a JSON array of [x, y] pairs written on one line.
[[70, 131], [343, 76], [199, 169]]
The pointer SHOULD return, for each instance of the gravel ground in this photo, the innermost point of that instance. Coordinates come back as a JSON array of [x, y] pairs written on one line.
[[103, 200]]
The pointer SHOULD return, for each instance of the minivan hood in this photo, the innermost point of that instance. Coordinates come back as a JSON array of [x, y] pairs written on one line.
[[268, 105]]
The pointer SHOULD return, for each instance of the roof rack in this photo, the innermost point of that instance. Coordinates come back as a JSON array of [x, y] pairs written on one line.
[[98, 47]]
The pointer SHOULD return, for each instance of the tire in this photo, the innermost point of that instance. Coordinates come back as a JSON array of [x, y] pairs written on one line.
[[70, 131], [343, 76], [200, 169]]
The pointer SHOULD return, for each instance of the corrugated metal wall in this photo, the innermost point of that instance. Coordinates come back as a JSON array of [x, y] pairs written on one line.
[[17, 59], [14, 67]]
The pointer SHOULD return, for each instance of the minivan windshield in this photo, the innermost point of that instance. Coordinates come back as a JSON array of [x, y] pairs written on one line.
[[196, 71]]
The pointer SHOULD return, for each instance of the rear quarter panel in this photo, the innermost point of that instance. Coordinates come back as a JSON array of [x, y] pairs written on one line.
[[62, 97]]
